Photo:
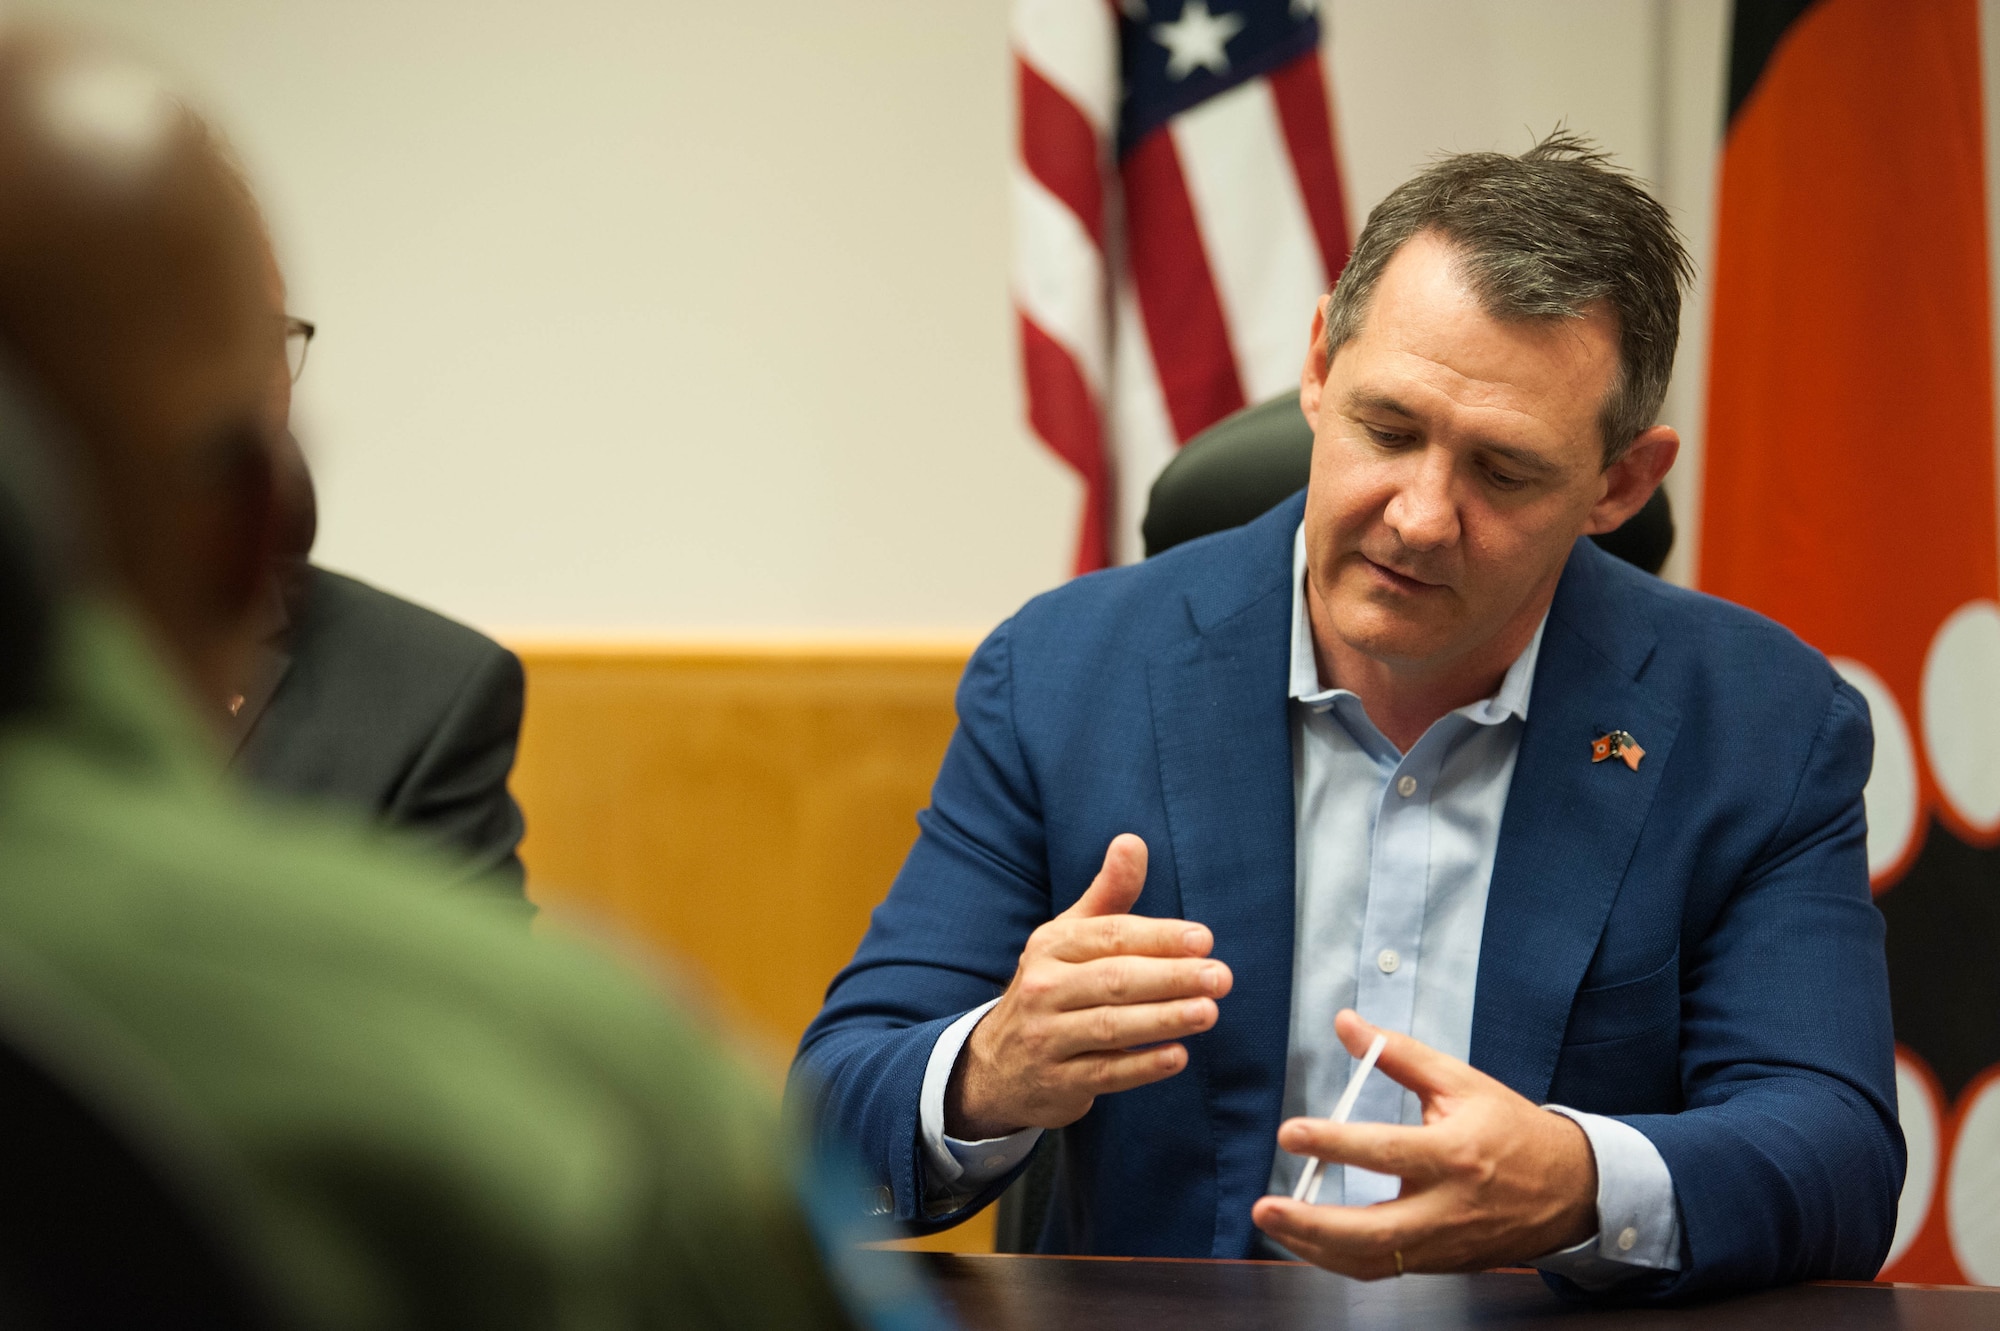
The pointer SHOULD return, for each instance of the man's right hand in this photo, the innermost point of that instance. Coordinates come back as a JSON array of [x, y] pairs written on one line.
[[1093, 984]]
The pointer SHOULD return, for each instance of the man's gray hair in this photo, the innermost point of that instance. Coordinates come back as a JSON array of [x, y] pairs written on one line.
[[1545, 235]]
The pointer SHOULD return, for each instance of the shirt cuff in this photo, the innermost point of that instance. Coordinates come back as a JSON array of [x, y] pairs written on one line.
[[1638, 1220], [954, 1170]]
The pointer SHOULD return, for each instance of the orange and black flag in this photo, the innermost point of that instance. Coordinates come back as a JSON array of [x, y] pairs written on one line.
[[1849, 491]]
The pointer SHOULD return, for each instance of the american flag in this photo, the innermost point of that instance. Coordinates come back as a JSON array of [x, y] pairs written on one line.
[[1177, 210]]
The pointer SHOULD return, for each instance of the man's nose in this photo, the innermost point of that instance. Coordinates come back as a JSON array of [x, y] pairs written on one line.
[[1424, 510]]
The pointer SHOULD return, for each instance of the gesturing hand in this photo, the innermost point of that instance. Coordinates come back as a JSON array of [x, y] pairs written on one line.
[[1092, 984], [1490, 1179]]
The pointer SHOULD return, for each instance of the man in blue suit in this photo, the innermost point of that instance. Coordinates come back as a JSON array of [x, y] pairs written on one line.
[[1407, 755]]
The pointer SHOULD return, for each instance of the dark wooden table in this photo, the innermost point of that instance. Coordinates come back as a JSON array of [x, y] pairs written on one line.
[[1003, 1293]]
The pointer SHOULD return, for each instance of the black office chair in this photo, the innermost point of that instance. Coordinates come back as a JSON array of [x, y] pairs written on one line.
[[1247, 464], [116, 1207], [26, 576]]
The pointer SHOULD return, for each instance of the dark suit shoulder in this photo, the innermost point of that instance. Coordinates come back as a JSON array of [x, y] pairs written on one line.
[[338, 606], [371, 678], [395, 711]]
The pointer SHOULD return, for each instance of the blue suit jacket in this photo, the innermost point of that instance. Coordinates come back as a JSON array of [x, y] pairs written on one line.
[[1690, 947]]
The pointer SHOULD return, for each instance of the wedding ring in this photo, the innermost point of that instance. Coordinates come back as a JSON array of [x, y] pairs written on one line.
[[1399, 1262]]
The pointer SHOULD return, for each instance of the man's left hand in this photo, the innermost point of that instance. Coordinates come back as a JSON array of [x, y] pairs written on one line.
[[1489, 1179]]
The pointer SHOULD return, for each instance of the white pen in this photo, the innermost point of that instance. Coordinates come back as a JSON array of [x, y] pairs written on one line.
[[1307, 1190]]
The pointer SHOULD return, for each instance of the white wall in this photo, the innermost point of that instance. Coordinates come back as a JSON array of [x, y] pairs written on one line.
[[669, 315]]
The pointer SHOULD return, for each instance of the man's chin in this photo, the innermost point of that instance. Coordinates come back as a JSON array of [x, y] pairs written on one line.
[[1386, 621], [1393, 640]]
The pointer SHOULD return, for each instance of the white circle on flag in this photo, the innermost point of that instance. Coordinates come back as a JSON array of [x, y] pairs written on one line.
[[1972, 1196], [1917, 1111], [1962, 712], [1891, 794]]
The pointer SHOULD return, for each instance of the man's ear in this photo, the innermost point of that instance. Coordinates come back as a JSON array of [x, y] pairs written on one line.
[[1630, 481], [1312, 379]]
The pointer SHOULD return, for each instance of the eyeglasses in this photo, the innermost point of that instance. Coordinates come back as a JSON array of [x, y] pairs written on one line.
[[298, 337]]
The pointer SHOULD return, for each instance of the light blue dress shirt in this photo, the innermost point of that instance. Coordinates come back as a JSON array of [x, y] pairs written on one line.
[[1394, 857]]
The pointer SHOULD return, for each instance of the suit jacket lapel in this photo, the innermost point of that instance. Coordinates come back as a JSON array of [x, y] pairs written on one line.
[[266, 673], [1223, 736], [1570, 826], [273, 659]]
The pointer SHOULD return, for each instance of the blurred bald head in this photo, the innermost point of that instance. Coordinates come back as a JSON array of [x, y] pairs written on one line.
[[138, 292]]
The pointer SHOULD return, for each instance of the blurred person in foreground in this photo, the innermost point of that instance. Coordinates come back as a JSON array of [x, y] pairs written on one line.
[[443, 1122], [1408, 757]]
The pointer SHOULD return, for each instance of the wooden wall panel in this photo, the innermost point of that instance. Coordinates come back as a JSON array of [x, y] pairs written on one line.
[[737, 809]]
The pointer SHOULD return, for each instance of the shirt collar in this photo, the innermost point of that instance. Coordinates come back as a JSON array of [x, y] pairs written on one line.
[[1511, 699]]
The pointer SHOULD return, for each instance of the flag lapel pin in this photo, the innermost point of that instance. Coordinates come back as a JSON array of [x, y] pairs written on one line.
[[1617, 744]]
